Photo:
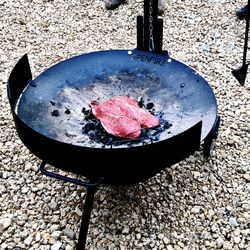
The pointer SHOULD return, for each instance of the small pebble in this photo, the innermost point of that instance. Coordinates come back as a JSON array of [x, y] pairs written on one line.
[[56, 246], [233, 222], [69, 233], [5, 223]]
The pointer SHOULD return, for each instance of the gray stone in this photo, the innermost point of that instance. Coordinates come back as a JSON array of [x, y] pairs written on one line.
[[69, 233], [126, 230], [247, 177], [219, 242], [52, 205], [166, 240], [213, 228], [196, 209], [169, 247], [28, 240], [205, 47], [138, 236], [233, 222], [160, 236], [5, 223], [4, 246], [78, 211], [56, 234], [237, 240], [56, 246]]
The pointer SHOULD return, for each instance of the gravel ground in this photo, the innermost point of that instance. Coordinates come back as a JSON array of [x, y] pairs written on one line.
[[196, 204]]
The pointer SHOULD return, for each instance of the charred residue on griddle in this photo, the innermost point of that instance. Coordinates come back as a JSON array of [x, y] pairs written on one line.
[[55, 113], [58, 107], [53, 103], [140, 101], [87, 113], [88, 126], [70, 134], [94, 130], [154, 133], [67, 111], [149, 105], [182, 85]]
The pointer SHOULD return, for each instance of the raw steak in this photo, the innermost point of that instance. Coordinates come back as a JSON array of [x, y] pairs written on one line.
[[121, 116]]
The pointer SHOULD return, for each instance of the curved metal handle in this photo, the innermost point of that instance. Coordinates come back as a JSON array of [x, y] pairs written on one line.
[[68, 179]]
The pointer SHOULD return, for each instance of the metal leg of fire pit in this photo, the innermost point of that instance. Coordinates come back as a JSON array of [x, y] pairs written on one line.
[[88, 206], [92, 187], [209, 141]]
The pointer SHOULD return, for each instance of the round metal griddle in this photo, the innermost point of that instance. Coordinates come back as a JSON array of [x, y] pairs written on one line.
[[184, 97]]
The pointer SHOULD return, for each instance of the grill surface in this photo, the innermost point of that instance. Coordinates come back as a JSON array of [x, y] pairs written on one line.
[[184, 97]]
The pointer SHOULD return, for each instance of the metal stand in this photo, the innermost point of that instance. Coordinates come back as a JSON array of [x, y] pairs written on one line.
[[88, 206], [241, 73], [92, 187], [209, 141], [150, 28]]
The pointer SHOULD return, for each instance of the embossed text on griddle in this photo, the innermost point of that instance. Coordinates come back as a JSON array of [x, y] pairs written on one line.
[[150, 59]]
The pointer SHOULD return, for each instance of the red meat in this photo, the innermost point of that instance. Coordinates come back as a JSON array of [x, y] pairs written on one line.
[[121, 116]]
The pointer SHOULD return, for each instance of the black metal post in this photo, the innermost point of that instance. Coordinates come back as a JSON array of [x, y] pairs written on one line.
[[209, 141], [88, 206], [92, 187], [241, 72], [244, 60], [140, 42], [150, 28]]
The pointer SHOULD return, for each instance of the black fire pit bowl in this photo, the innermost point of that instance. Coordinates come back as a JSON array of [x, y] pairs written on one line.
[[183, 96]]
